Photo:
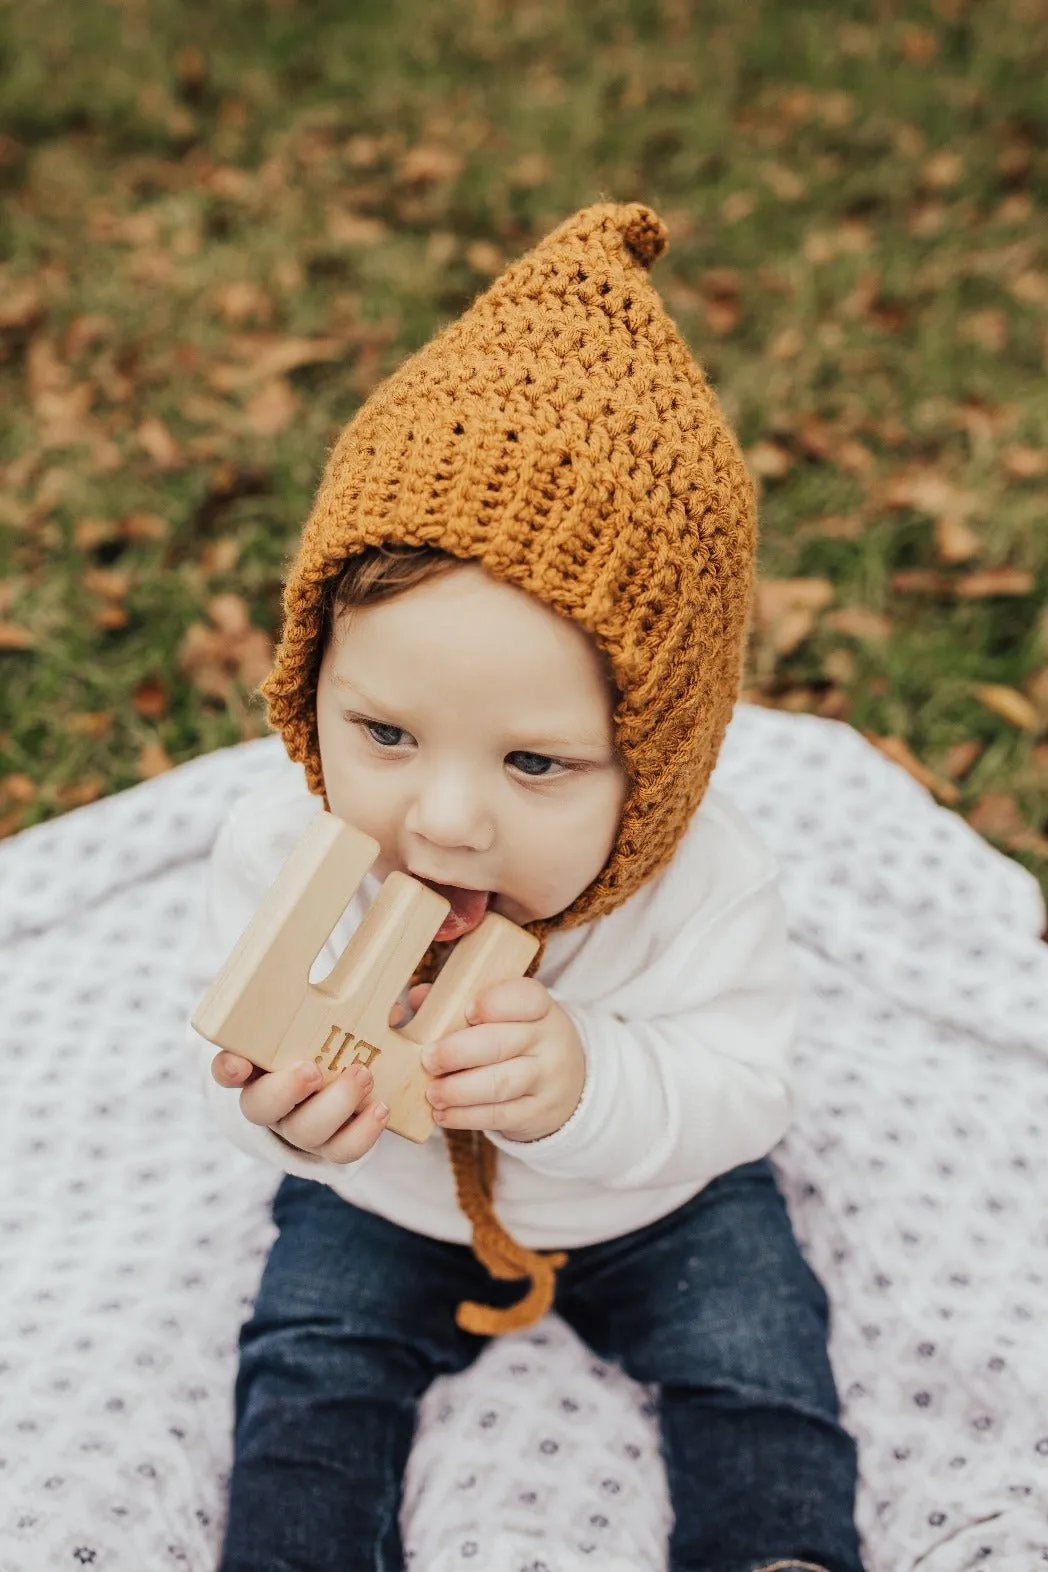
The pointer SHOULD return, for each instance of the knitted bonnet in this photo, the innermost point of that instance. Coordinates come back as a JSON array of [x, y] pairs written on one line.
[[561, 435]]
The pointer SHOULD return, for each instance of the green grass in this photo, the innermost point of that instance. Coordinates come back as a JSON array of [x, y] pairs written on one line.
[[856, 196]]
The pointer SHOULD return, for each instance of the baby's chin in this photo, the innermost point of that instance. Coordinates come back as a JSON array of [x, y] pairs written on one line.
[[522, 914]]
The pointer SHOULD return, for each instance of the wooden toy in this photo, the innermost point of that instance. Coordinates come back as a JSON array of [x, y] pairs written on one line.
[[263, 1006]]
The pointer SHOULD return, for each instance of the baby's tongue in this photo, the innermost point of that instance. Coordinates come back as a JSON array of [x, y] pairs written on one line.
[[467, 911]]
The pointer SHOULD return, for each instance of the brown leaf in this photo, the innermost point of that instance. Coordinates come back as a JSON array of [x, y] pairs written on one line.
[[483, 257], [18, 788], [271, 409], [997, 815], [91, 532], [242, 300], [859, 622], [943, 169], [954, 541], [155, 439], [768, 460], [921, 581], [993, 581], [89, 723], [145, 526], [988, 329], [12, 637], [220, 556], [20, 307], [1025, 463], [78, 793], [926, 491], [353, 229], [111, 583], [264, 356], [110, 616], [1037, 692], [212, 657], [429, 165], [738, 206], [961, 757], [787, 609], [531, 170], [899, 752], [153, 760], [150, 698], [1009, 704]]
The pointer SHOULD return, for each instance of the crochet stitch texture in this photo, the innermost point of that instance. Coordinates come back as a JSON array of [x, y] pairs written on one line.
[[560, 434]]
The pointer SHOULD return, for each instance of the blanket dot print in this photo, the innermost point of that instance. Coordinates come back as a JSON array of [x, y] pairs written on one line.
[[132, 1238]]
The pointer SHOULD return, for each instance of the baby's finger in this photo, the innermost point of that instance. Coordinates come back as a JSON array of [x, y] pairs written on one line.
[[476, 1045], [357, 1136], [229, 1069], [273, 1096], [492, 1083], [417, 994], [520, 999], [314, 1122]]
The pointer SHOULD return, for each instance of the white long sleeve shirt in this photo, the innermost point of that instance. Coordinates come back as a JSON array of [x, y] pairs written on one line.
[[684, 999]]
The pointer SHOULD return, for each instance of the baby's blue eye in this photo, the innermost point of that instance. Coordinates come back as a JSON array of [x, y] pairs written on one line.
[[531, 763], [385, 736]]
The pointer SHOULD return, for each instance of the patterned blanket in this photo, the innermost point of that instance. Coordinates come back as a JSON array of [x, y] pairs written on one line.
[[131, 1238]]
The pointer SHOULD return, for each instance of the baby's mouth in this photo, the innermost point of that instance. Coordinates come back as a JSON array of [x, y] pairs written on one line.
[[468, 909]]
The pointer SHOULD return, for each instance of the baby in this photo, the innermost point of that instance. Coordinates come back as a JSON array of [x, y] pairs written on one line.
[[513, 639]]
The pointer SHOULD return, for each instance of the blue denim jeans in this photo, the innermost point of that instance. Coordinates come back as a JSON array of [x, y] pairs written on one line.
[[714, 1303]]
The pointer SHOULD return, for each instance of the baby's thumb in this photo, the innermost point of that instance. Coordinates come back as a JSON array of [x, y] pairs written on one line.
[[229, 1069], [417, 994]]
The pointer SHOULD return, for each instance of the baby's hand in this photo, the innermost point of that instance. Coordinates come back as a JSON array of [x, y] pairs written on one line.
[[518, 1067], [312, 1109]]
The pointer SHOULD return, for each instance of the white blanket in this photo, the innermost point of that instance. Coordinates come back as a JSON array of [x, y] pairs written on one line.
[[131, 1238]]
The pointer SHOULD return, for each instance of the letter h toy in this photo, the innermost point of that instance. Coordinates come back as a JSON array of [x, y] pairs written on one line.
[[263, 1006]]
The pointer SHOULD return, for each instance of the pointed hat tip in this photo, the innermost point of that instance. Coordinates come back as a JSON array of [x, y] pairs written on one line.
[[644, 234]]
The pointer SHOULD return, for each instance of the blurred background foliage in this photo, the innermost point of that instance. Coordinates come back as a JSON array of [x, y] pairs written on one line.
[[222, 223]]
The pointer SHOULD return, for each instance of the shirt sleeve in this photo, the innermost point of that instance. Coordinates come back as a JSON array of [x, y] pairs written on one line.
[[235, 887], [695, 1082]]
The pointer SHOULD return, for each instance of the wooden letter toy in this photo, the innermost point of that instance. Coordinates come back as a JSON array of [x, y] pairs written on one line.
[[263, 1006]]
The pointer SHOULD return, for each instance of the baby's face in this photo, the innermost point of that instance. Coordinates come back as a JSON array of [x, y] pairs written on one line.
[[468, 729]]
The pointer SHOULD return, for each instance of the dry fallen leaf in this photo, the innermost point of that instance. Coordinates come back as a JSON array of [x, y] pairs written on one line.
[[954, 541], [353, 229], [960, 758], [12, 637], [768, 460], [213, 658], [150, 699], [155, 439], [993, 581], [926, 491], [858, 622], [787, 609], [997, 815], [18, 788], [429, 165], [1009, 704], [153, 760], [264, 356], [1025, 463], [89, 723], [271, 409], [78, 793], [943, 170], [899, 752]]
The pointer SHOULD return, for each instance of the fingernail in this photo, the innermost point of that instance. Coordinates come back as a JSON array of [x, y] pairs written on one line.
[[381, 1112], [362, 1074], [314, 1075]]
